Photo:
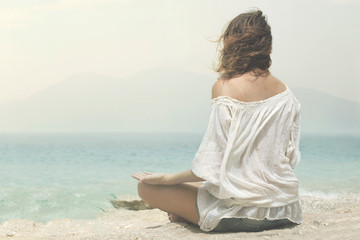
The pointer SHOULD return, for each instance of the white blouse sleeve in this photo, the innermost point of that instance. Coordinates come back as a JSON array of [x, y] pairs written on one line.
[[293, 150], [207, 161]]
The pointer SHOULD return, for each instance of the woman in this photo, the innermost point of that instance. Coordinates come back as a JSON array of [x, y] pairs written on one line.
[[242, 176]]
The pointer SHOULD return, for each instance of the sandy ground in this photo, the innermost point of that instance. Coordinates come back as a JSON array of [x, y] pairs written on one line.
[[330, 218]]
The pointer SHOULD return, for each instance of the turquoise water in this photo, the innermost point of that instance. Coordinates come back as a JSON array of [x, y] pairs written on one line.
[[47, 176]]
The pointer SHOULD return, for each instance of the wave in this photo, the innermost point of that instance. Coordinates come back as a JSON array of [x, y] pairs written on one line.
[[320, 194]]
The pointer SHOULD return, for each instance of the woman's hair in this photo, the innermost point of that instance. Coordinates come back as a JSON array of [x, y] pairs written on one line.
[[246, 46]]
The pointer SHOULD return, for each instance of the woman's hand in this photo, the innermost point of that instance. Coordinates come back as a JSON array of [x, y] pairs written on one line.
[[154, 178]]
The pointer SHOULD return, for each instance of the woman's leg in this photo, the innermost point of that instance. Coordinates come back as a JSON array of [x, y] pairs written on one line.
[[177, 199]]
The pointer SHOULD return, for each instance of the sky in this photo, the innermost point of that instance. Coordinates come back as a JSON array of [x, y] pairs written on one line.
[[42, 42]]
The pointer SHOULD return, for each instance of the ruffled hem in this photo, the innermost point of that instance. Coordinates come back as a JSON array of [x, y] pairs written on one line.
[[212, 210]]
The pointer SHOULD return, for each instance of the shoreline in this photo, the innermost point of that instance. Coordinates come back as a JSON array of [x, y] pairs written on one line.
[[323, 218]]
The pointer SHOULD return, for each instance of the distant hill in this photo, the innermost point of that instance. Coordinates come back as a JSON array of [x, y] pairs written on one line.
[[145, 102], [159, 100], [322, 112]]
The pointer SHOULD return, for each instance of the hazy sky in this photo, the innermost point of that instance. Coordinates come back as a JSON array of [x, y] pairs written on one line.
[[315, 43]]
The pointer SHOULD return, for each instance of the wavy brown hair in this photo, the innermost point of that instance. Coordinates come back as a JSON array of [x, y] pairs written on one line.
[[246, 46]]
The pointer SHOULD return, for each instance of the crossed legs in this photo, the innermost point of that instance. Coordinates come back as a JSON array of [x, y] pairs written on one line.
[[178, 200]]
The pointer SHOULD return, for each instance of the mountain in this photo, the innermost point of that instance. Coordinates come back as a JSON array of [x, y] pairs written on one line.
[[323, 113], [158, 100]]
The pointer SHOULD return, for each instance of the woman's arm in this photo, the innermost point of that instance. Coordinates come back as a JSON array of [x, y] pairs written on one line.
[[166, 178]]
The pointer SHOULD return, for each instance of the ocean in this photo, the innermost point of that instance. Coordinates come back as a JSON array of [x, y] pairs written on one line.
[[47, 176]]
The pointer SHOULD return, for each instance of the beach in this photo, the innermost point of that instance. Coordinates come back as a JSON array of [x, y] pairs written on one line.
[[328, 217]]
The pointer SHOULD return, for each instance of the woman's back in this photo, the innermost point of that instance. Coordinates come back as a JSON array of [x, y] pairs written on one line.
[[248, 149], [249, 88], [248, 153]]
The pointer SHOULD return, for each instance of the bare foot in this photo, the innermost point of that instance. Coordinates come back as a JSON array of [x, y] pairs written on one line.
[[176, 218]]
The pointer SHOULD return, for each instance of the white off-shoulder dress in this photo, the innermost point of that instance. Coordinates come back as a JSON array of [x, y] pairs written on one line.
[[247, 156]]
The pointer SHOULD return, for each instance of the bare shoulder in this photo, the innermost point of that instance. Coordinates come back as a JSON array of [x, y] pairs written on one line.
[[278, 84], [248, 89], [217, 88]]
